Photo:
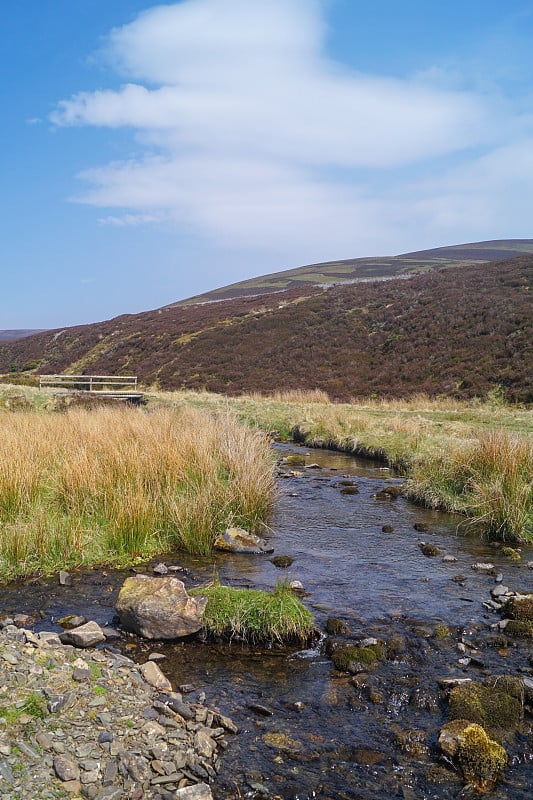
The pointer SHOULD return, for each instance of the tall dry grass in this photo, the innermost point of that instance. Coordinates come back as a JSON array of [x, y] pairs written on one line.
[[113, 485], [474, 458], [490, 481]]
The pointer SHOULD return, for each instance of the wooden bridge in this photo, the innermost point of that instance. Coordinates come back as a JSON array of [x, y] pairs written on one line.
[[116, 387]]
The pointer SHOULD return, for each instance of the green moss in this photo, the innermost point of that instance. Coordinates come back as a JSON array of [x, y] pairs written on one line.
[[355, 654], [295, 461], [481, 759], [491, 707], [519, 608], [510, 552], [441, 632], [336, 627], [519, 629]]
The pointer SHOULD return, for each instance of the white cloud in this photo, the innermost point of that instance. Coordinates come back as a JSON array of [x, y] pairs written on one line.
[[245, 126]]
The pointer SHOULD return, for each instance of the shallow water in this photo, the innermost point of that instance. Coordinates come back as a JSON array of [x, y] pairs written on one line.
[[329, 735]]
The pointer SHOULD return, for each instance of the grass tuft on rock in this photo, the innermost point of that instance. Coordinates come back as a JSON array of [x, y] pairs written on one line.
[[255, 616]]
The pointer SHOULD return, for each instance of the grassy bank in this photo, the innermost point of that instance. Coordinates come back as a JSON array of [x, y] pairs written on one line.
[[111, 486], [473, 458]]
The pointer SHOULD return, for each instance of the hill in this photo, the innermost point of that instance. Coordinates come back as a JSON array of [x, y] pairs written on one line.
[[460, 331], [364, 269], [10, 335]]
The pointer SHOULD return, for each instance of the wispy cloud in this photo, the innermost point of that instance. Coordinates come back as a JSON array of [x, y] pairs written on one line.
[[251, 136]]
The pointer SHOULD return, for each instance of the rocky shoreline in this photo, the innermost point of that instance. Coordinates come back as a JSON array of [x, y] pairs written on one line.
[[91, 723]]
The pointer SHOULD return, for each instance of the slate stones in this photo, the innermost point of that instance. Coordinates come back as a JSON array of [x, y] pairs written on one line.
[[88, 635]]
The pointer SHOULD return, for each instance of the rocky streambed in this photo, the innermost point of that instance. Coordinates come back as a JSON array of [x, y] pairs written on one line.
[[389, 582], [87, 722]]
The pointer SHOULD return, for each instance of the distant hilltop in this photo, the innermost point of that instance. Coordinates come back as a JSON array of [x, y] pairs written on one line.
[[374, 268], [454, 321], [9, 336]]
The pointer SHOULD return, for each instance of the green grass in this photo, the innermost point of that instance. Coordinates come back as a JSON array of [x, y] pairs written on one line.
[[256, 616]]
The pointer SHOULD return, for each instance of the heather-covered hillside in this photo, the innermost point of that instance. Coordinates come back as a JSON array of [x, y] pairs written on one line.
[[461, 331]]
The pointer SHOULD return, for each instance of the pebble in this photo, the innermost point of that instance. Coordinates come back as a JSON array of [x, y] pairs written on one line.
[[91, 738]]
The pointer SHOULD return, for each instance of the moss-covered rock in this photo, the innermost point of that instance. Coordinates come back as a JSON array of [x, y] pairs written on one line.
[[442, 632], [519, 629], [351, 658], [429, 550], [490, 706], [519, 608], [282, 562], [481, 759], [295, 460], [510, 552], [336, 627]]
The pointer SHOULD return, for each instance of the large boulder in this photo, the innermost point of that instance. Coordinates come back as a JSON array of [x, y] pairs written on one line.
[[159, 608], [237, 540]]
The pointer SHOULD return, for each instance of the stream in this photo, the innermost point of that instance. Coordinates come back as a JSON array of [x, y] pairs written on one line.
[[307, 731]]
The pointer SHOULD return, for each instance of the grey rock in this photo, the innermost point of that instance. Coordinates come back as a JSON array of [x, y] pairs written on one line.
[[153, 675], [204, 744], [110, 773], [56, 703], [200, 791], [160, 569], [159, 608], [6, 773], [237, 540], [27, 750], [156, 657], [44, 740], [49, 639], [160, 780], [110, 793], [90, 776], [66, 769], [180, 708], [81, 675], [87, 635], [138, 767], [65, 579], [497, 591]]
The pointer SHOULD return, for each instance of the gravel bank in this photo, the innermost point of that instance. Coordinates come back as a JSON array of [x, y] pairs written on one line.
[[91, 723]]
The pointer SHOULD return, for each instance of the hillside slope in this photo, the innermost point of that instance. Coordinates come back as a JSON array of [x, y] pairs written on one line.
[[10, 335], [380, 268], [460, 331]]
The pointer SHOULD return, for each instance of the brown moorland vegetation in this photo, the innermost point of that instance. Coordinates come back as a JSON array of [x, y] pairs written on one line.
[[462, 332]]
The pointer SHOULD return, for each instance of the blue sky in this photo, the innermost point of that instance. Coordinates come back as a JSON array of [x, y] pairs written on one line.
[[151, 152]]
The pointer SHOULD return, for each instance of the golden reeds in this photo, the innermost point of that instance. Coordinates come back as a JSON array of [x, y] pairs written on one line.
[[115, 485]]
